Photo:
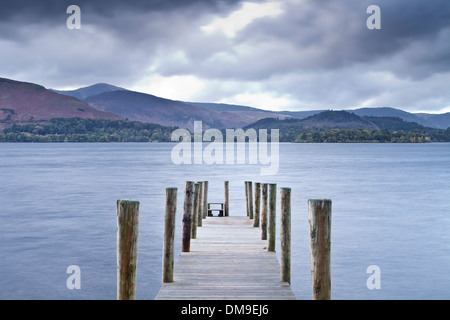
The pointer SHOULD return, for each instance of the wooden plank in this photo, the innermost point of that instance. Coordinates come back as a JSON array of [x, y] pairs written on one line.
[[228, 261]]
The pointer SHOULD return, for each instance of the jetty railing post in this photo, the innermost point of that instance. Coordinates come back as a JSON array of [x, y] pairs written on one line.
[[264, 197], [285, 234], [127, 247], [169, 234], [272, 216], [250, 200], [319, 217], [227, 205], [205, 199], [257, 204], [200, 204], [187, 216], [195, 211], [246, 198]]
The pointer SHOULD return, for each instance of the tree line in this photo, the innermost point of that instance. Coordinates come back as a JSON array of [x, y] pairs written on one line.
[[87, 130], [99, 130]]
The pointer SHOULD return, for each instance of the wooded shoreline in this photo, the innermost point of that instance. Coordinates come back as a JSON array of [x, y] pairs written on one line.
[[99, 130]]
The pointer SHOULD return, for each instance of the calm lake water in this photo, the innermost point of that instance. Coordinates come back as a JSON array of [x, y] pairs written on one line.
[[391, 208]]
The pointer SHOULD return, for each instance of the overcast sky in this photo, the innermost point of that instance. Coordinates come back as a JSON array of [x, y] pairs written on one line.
[[279, 55]]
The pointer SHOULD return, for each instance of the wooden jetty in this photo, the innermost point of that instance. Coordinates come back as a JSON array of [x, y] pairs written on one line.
[[228, 260], [227, 257]]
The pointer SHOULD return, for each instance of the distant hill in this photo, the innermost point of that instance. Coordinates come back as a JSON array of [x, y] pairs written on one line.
[[85, 92], [344, 126], [224, 107], [232, 116], [337, 120], [441, 121], [22, 102], [438, 121], [242, 115], [323, 120], [301, 114], [327, 120], [392, 112], [143, 107], [395, 124], [152, 109]]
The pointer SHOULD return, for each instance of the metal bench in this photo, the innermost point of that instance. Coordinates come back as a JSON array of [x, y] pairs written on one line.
[[219, 210]]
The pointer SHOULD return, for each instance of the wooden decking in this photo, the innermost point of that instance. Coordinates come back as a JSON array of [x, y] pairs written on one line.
[[227, 261]]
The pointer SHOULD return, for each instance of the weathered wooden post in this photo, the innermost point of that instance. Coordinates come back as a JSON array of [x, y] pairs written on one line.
[[200, 204], [285, 234], [187, 216], [319, 217], [205, 199], [264, 211], [246, 198], [250, 200], [195, 211], [272, 216], [227, 204], [257, 204], [127, 248], [169, 234]]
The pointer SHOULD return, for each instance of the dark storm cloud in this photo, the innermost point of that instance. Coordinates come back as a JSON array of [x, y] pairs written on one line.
[[314, 52], [51, 9], [107, 14], [118, 39], [326, 35], [321, 53]]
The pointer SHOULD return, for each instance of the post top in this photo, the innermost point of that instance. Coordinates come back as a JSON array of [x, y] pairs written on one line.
[[127, 201]]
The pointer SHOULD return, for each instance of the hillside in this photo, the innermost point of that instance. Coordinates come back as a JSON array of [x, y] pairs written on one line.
[[337, 120], [343, 126], [85, 92], [143, 107], [323, 120], [392, 112], [148, 108], [22, 102], [441, 121], [232, 116], [394, 124]]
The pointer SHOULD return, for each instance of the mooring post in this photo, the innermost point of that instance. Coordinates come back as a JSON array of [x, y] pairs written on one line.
[[257, 204], [272, 216], [250, 199], [205, 199], [187, 216], [169, 234], [227, 206], [200, 204], [264, 211], [195, 211], [285, 234], [127, 248], [319, 217], [246, 198]]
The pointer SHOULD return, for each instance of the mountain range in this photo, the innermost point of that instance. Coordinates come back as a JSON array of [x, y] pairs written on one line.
[[137, 106], [22, 103]]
